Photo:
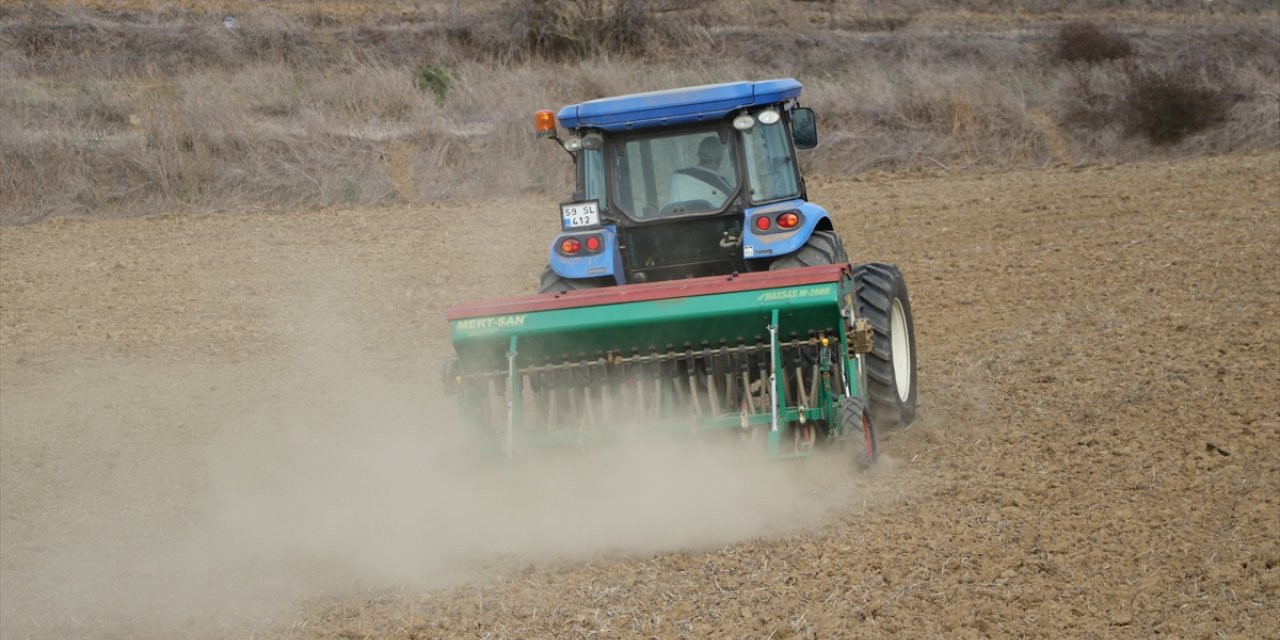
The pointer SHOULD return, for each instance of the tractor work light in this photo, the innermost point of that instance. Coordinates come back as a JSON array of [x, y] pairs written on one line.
[[769, 116], [544, 120], [788, 220], [744, 123], [573, 144]]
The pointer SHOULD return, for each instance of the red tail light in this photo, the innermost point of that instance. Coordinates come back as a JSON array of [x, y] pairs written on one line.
[[762, 223], [788, 220], [570, 245], [593, 243]]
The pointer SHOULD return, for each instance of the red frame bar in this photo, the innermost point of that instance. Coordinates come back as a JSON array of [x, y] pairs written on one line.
[[650, 291]]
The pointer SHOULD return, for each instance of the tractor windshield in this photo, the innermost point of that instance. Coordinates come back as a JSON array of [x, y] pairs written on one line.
[[770, 163], [673, 173], [593, 176]]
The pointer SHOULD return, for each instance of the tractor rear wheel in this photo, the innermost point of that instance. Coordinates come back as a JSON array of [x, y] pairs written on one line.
[[891, 365], [553, 282], [859, 435], [823, 247]]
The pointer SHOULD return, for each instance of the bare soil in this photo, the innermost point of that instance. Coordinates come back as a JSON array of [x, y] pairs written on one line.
[[228, 426]]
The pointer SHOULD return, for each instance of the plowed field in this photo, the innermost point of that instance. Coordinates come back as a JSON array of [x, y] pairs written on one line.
[[228, 426]]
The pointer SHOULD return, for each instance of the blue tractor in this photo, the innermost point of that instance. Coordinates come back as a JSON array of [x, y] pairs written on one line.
[[704, 182], [693, 289]]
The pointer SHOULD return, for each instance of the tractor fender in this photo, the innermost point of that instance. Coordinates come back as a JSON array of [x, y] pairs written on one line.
[[607, 262], [774, 242]]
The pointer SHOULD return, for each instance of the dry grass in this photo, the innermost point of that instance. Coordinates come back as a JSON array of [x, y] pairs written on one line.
[[142, 111]]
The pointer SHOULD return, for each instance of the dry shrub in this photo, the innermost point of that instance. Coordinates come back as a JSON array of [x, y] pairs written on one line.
[[268, 36], [170, 111], [396, 44], [1253, 121], [97, 108], [1090, 97], [196, 147], [1124, 112], [875, 23], [913, 7], [798, 52], [372, 95], [571, 29], [76, 42], [916, 116], [1167, 106], [560, 29], [1086, 42]]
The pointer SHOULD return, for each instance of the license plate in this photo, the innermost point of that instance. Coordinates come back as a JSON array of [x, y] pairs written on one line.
[[580, 214]]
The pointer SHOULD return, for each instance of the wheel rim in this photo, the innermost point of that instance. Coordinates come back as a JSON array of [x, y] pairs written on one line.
[[899, 337]]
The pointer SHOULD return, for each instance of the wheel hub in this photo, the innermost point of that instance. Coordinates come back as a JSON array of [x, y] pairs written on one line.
[[900, 337]]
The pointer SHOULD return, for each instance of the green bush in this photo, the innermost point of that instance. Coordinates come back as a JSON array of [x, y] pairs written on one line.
[[436, 79]]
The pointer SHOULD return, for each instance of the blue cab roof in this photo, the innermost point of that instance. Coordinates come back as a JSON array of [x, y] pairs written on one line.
[[676, 106]]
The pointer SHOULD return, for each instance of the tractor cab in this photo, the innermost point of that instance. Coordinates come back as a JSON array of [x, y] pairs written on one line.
[[683, 183]]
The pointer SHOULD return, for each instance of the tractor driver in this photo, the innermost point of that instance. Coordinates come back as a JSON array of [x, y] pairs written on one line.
[[700, 187]]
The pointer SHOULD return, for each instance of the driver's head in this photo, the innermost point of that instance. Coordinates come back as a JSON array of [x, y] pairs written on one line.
[[710, 151]]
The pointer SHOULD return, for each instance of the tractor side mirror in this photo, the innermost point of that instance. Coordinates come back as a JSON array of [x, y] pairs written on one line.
[[804, 128]]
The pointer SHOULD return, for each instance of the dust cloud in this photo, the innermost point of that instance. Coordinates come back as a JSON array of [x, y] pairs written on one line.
[[197, 500]]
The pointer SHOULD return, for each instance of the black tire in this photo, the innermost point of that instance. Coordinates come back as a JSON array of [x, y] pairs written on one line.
[[882, 300], [858, 432], [553, 282], [823, 247]]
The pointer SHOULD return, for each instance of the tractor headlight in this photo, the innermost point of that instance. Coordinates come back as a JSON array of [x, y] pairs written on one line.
[[744, 123], [573, 144], [769, 116]]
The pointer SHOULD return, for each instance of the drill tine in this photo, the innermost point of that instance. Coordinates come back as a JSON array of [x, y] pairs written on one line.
[[589, 405], [691, 373], [606, 413], [552, 394], [678, 391], [713, 394], [813, 389], [657, 398], [693, 395], [640, 408], [574, 414]]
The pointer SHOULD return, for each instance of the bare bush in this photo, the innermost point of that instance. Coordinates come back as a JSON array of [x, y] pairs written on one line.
[[1090, 98], [572, 29], [1087, 42], [1167, 106], [561, 29]]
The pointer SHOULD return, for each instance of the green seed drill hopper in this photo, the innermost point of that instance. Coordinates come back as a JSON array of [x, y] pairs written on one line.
[[771, 357]]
